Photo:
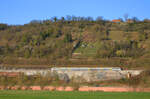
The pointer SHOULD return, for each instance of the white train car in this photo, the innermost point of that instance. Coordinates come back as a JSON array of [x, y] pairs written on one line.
[[85, 68]]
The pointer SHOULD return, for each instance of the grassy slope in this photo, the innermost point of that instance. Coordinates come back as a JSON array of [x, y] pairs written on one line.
[[116, 35], [70, 95]]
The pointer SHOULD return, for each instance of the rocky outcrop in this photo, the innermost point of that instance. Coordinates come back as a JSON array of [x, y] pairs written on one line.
[[77, 74], [95, 75]]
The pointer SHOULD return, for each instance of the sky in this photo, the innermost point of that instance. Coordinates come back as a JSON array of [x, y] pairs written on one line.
[[18, 12]]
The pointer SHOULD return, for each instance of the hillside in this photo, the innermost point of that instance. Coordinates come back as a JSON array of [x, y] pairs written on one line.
[[76, 41]]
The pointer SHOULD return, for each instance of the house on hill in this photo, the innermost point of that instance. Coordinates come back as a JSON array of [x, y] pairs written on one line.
[[116, 21]]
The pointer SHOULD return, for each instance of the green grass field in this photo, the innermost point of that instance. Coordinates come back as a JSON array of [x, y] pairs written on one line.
[[71, 95]]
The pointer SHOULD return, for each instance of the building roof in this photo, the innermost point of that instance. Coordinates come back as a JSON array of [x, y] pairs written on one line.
[[116, 20]]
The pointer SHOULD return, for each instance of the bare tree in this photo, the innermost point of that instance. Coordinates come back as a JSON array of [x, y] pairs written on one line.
[[126, 16]]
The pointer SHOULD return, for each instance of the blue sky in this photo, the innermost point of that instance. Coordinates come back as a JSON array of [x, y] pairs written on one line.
[[23, 11]]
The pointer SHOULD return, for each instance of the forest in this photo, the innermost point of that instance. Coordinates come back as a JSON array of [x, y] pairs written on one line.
[[75, 40]]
